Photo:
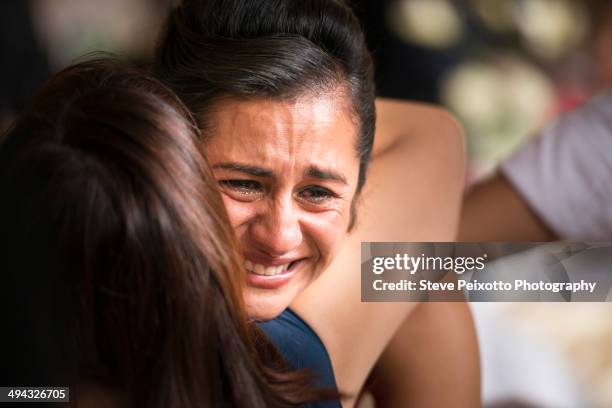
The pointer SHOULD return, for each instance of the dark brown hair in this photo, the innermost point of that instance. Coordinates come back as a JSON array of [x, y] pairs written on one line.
[[271, 48], [120, 264]]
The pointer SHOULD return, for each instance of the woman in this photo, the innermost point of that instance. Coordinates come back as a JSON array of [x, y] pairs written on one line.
[[121, 276], [283, 93]]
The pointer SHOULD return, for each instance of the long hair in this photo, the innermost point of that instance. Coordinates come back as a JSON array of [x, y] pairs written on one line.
[[120, 266]]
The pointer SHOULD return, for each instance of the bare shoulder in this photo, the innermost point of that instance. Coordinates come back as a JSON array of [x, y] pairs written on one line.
[[429, 138], [403, 117], [416, 177]]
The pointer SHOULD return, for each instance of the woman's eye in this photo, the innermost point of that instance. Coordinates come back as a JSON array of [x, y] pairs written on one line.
[[317, 194], [246, 187]]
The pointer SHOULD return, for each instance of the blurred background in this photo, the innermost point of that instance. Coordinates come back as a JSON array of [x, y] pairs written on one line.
[[504, 67]]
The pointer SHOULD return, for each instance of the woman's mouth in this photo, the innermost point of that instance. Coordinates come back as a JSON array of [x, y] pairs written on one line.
[[270, 276]]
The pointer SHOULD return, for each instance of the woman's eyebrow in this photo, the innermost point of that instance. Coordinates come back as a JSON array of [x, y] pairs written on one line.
[[316, 172], [243, 168], [312, 171]]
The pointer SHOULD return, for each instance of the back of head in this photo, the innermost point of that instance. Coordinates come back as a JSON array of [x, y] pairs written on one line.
[[269, 48], [120, 265]]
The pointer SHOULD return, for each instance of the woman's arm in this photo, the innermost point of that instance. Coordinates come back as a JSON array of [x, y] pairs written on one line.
[[412, 194], [432, 361], [481, 218]]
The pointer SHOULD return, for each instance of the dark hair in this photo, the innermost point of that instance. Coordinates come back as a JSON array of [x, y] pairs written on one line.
[[277, 48], [119, 264]]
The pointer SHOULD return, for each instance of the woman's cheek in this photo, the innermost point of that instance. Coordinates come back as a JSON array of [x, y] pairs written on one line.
[[239, 212], [326, 230]]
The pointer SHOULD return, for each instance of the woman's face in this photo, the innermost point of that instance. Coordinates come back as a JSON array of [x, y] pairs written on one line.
[[288, 172]]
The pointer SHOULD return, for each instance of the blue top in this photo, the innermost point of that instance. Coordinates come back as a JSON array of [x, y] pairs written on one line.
[[302, 348]]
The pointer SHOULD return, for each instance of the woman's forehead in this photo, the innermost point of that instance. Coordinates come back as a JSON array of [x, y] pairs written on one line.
[[309, 131], [321, 119], [309, 109]]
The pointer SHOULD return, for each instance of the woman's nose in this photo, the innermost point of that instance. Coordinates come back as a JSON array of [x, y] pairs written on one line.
[[277, 231]]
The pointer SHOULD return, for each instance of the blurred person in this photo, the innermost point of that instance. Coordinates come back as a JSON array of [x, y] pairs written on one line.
[[556, 186], [121, 273], [283, 93]]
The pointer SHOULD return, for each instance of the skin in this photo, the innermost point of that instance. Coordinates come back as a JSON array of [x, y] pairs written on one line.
[[288, 173], [432, 361], [481, 220]]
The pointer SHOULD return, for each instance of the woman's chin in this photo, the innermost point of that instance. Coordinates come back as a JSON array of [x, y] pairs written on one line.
[[267, 304], [263, 310]]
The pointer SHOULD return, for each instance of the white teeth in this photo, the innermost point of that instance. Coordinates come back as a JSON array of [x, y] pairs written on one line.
[[259, 269]]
